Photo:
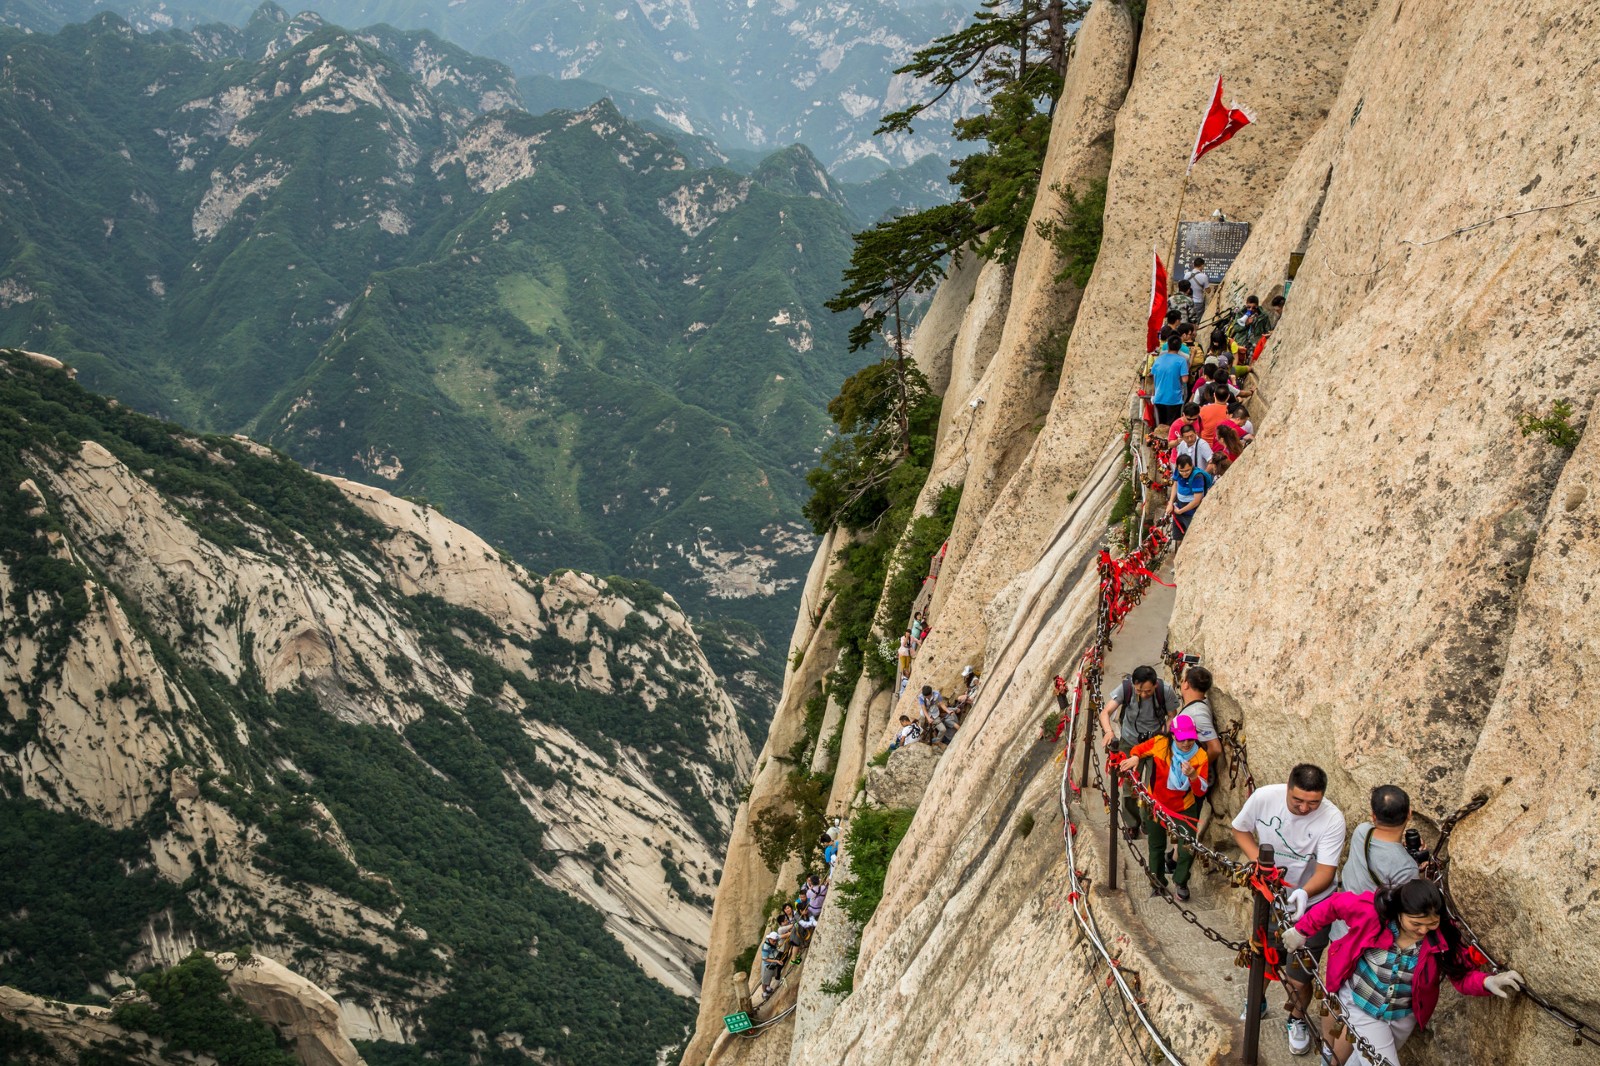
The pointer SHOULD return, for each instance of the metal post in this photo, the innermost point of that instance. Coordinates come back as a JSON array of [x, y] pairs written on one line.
[[1260, 918], [1088, 744], [1116, 805]]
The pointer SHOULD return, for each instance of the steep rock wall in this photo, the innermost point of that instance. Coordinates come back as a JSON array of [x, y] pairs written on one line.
[[1393, 580], [1425, 627], [1296, 60]]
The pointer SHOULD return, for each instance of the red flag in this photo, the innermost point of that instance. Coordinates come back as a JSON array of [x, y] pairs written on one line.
[[1158, 304], [1220, 123]]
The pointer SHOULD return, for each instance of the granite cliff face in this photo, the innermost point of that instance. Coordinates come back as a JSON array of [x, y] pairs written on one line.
[[319, 713], [1393, 582]]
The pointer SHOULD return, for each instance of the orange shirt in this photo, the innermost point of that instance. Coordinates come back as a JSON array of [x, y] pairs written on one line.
[[1212, 415], [1159, 748]]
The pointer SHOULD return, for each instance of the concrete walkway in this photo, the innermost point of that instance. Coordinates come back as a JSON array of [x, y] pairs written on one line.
[[1185, 957]]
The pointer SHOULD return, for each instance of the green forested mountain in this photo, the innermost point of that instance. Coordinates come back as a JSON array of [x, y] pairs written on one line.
[[242, 705], [556, 328]]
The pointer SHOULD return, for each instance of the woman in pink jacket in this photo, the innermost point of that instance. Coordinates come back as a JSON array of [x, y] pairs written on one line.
[[1387, 968]]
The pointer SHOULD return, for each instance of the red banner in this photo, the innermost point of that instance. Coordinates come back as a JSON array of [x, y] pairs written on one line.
[[1219, 124], [1158, 304]]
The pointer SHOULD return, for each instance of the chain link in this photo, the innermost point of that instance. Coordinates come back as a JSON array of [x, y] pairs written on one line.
[[1188, 915]]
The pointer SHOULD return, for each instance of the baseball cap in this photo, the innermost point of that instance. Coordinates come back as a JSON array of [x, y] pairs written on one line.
[[1183, 728]]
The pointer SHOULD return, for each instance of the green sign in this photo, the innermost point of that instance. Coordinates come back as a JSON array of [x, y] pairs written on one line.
[[737, 1023]]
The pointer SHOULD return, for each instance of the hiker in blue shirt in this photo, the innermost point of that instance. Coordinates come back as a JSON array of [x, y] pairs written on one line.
[[1189, 486], [1171, 374]]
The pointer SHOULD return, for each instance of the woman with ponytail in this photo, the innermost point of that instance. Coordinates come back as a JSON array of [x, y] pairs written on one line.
[[1386, 970]]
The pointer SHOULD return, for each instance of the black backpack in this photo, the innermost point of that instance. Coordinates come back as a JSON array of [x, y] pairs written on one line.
[[1219, 333], [1125, 697]]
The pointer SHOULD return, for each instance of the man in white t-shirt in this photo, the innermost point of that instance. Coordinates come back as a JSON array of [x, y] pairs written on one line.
[[1307, 837]]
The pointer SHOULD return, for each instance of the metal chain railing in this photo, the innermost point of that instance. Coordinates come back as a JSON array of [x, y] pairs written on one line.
[[1213, 935], [1078, 900], [1440, 874], [1236, 872]]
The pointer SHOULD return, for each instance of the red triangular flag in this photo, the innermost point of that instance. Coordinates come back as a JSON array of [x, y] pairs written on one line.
[[1219, 124], [1158, 304]]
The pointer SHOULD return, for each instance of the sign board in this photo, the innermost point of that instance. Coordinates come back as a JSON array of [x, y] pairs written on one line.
[[1218, 243], [737, 1023]]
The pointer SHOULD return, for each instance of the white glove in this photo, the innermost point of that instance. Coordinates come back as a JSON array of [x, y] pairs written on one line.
[[1503, 984], [1293, 940], [1297, 903]]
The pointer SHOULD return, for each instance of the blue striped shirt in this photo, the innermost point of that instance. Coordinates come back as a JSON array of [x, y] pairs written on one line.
[[1381, 983]]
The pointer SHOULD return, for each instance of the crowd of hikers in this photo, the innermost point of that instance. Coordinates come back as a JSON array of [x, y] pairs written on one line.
[[1385, 930], [1197, 416], [785, 944]]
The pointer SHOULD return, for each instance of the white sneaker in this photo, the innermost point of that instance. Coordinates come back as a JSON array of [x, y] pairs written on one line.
[[1244, 1013], [1299, 1036]]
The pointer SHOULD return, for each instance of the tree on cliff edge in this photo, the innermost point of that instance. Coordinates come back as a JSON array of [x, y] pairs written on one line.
[[1016, 51]]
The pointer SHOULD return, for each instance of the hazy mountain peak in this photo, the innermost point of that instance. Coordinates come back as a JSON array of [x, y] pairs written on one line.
[[795, 170]]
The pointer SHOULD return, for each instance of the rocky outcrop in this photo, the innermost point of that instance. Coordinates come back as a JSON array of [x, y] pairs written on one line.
[[1392, 582], [149, 704], [302, 1014], [903, 779]]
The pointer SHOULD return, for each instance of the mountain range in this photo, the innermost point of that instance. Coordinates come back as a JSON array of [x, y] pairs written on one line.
[[748, 77], [561, 329]]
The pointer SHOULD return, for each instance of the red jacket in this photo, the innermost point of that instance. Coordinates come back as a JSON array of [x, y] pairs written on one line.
[[1358, 912]]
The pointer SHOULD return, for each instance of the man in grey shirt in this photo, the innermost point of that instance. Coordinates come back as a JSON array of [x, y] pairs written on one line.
[[1195, 688], [1378, 854], [1147, 704]]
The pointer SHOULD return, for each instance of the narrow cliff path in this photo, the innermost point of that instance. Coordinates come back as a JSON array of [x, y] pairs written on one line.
[[1185, 957]]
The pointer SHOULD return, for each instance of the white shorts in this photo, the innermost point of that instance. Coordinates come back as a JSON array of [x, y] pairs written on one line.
[[1386, 1038]]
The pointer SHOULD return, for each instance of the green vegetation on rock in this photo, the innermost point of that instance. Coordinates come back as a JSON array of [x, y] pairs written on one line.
[[191, 1007], [871, 839]]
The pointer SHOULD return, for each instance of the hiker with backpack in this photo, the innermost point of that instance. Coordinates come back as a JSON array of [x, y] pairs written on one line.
[[1190, 444], [1189, 487], [1145, 703], [910, 733], [1182, 775]]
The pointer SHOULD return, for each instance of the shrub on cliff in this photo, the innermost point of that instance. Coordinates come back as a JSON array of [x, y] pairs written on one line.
[[871, 840], [191, 1006]]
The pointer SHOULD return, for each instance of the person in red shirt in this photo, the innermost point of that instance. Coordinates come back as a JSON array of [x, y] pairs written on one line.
[[1191, 416], [1183, 773]]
